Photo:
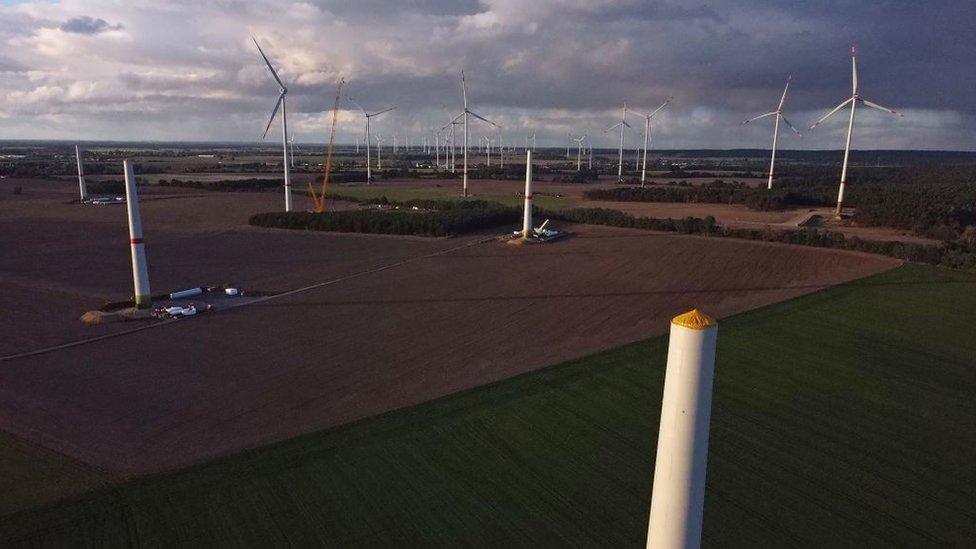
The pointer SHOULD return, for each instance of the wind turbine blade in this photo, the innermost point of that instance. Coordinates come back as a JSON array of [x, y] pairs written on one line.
[[854, 70], [354, 102], [615, 126], [753, 119], [657, 110], [831, 113], [624, 122], [377, 113], [273, 113], [783, 99], [453, 121], [464, 92], [482, 118], [273, 72], [880, 108], [796, 131]]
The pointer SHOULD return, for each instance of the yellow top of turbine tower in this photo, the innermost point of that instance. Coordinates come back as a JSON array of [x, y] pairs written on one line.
[[694, 319]]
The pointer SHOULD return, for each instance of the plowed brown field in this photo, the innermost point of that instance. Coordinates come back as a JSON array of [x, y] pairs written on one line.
[[401, 320]]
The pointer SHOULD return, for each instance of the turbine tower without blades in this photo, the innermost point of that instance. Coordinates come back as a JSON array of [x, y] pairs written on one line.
[[853, 100], [284, 124], [778, 113]]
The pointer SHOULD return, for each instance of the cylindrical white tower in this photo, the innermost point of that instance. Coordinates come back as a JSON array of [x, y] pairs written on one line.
[[682, 445], [140, 269], [81, 175], [527, 215]]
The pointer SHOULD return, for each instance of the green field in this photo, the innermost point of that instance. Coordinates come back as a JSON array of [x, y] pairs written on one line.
[[843, 418]]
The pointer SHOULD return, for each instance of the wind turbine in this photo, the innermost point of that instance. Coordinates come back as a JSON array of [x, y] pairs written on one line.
[[620, 152], [487, 141], [778, 113], [437, 149], [83, 190], [291, 146], [501, 151], [284, 124], [853, 100], [647, 133], [369, 116], [464, 117], [579, 150], [379, 152]]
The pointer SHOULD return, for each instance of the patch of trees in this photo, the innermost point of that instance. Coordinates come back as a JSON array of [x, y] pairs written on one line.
[[716, 192], [227, 185], [934, 202], [583, 176], [956, 255], [433, 223]]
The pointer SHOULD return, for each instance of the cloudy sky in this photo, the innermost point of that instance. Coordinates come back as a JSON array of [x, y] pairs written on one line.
[[186, 69]]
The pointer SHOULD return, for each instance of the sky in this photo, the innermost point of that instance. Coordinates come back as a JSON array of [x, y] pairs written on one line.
[[187, 70]]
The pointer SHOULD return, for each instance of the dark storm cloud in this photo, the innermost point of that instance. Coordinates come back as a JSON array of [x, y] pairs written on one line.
[[558, 61], [87, 25]]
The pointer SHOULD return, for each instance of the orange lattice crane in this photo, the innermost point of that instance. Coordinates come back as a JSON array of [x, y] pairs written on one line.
[[318, 199]]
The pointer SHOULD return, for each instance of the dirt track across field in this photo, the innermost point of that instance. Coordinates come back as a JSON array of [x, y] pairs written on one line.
[[405, 321]]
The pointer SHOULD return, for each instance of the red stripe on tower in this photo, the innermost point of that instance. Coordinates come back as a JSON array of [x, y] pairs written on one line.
[[135, 241]]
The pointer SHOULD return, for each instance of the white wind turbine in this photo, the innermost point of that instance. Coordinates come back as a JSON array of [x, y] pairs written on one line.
[[379, 152], [853, 100], [369, 116], [487, 141], [647, 133], [284, 124], [464, 117], [620, 152], [778, 113], [579, 150]]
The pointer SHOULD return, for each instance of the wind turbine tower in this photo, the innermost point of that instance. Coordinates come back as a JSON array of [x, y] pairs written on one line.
[[853, 100], [464, 118], [579, 151], [647, 132], [379, 150], [778, 113], [81, 175], [284, 124], [620, 152], [370, 116]]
